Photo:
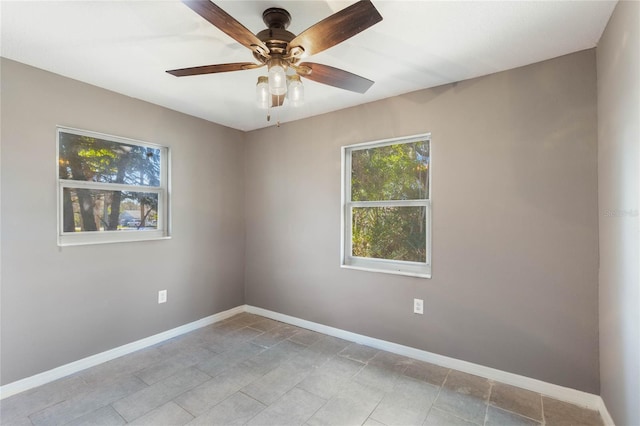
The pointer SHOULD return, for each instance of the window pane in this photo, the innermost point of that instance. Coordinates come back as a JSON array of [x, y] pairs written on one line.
[[99, 210], [393, 172], [393, 233], [98, 160]]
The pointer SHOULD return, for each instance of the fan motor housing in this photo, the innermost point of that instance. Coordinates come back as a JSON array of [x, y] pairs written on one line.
[[276, 40], [275, 37]]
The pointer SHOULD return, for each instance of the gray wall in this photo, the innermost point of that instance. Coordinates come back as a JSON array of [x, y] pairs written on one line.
[[515, 222], [618, 59], [63, 304]]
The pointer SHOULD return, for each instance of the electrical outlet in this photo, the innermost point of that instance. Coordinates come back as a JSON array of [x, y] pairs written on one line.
[[162, 296], [418, 306]]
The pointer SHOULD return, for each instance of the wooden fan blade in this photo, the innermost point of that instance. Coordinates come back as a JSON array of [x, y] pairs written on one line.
[[212, 69], [277, 100], [226, 23], [335, 29], [335, 77]]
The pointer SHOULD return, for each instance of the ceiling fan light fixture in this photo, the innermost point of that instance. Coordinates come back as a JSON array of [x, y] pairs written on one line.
[[279, 50], [295, 91], [277, 76], [263, 97]]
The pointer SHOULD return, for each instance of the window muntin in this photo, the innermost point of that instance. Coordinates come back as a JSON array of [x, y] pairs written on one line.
[[387, 206], [110, 186]]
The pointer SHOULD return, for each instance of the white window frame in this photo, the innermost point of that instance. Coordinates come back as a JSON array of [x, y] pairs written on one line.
[[163, 230], [414, 269]]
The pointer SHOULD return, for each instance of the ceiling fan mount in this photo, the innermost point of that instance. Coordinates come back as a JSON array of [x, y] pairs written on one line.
[[277, 46], [276, 17]]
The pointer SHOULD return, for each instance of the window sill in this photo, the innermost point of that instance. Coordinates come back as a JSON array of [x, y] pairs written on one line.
[[88, 239], [389, 271]]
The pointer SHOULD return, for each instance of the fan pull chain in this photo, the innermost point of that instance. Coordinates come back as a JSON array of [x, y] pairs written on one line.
[[277, 116]]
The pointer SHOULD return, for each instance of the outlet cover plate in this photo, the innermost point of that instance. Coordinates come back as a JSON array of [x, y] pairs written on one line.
[[162, 296], [418, 306]]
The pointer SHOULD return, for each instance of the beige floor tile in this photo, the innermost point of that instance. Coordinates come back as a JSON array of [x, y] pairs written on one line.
[[294, 408], [558, 413], [499, 417], [517, 400], [468, 384], [167, 414], [359, 352], [461, 405], [233, 411], [438, 417], [427, 372]]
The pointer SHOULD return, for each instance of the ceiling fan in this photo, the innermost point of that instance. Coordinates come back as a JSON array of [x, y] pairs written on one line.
[[280, 50]]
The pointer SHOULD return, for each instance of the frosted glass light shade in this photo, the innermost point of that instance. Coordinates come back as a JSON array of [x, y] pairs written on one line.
[[295, 92], [263, 97], [277, 78]]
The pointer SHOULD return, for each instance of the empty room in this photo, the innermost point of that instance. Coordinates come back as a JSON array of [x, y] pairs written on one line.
[[320, 212]]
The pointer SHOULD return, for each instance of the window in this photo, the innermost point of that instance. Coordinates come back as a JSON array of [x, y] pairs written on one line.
[[110, 189], [386, 201]]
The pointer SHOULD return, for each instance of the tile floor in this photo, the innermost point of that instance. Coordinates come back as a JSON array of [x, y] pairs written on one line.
[[255, 371]]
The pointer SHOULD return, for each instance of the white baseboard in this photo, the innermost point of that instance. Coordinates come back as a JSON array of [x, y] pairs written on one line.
[[93, 360], [584, 399], [604, 413]]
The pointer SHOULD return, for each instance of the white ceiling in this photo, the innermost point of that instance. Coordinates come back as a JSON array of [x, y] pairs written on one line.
[[126, 46]]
